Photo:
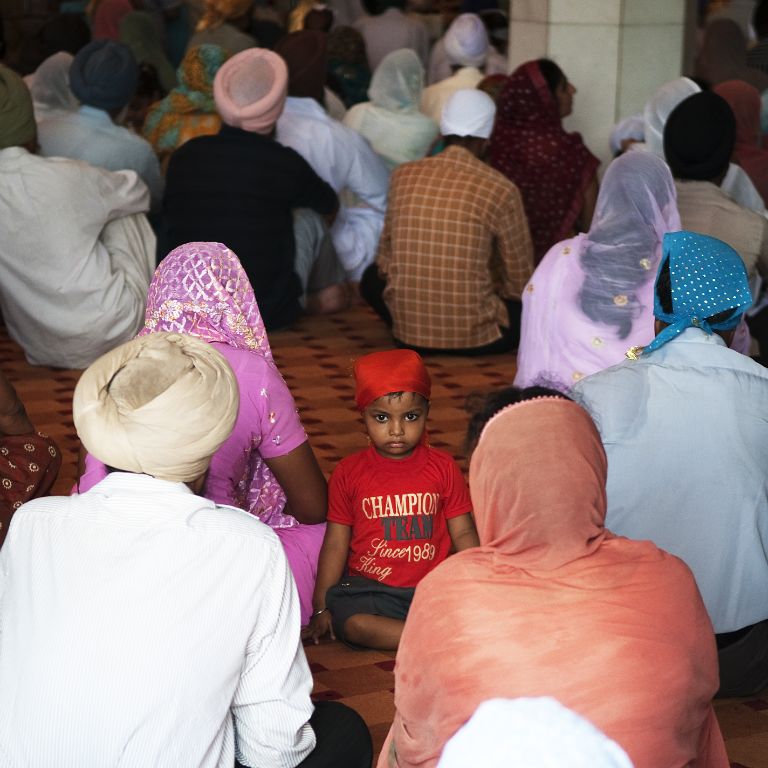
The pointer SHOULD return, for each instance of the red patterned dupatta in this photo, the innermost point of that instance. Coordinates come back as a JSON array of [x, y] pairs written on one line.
[[551, 167]]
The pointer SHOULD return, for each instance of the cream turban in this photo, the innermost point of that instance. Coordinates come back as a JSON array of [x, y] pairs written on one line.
[[468, 112], [161, 404], [466, 41], [17, 120], [250, 89]]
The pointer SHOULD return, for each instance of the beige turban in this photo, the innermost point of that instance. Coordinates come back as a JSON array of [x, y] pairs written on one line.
[[17, 120], [161, 405]]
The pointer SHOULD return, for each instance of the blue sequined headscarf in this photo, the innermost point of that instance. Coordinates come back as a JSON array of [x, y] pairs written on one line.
[[707, 277]]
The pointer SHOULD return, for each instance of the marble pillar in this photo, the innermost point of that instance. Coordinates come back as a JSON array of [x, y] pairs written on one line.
[[616, 53]]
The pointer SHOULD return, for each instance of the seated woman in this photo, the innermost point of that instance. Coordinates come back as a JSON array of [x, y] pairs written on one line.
[[744, 101], [591, 297], [553, 169], [391, 120], [266, 466], [553, 604], [49, 86], [189, 109]]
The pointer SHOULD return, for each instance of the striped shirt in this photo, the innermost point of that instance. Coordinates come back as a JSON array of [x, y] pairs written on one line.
[[141, 625], [455, 243]]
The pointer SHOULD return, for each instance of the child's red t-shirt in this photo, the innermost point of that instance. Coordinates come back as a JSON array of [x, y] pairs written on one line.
[[397, 510]]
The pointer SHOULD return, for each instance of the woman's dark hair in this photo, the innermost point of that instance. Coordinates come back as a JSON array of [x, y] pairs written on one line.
[[664, 294], [552, 74], [482, 406]]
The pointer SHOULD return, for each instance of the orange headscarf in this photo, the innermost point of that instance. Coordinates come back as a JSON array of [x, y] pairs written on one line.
[[396, 370], [744, 101], [552, 604]]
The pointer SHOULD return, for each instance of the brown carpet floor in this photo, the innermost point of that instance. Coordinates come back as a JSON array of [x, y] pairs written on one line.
[[315, 359]]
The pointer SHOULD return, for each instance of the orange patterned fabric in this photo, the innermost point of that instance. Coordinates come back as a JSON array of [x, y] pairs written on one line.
[[455, 243]]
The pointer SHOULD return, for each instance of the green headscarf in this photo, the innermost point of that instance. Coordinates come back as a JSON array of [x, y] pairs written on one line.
[[17, 119]]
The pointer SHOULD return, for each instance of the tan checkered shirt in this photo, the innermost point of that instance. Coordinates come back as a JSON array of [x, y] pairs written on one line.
[[455, 242]]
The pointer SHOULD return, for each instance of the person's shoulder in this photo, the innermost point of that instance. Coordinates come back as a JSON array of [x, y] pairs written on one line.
[[611, 385], [231, 522]]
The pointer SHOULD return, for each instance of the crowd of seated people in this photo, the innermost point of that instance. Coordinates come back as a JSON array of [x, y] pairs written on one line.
[[179, 181]]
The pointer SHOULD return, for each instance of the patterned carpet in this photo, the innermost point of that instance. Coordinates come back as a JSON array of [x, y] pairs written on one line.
[[315, 359]]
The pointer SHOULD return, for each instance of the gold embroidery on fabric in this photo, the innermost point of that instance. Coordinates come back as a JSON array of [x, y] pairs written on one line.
[[620, 300], [645, 263], [633, 353]]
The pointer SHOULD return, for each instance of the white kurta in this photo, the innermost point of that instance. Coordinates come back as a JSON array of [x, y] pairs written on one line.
[[76, 264], [685, 430], [145, 626], [346, 161], [433, 97]]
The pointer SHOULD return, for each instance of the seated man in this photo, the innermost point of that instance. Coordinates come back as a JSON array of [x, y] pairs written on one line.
[[465, 49], [103, 76], [455, 253], [157, 628], [338, 154], [685, 430], [76, 251], [698, 143], [241, 188]]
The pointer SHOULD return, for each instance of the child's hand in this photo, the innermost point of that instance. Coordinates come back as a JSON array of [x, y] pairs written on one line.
[[318, 627]]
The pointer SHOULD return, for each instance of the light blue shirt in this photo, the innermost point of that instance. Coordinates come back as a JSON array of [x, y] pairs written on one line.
[[89, 134], [685, 430]]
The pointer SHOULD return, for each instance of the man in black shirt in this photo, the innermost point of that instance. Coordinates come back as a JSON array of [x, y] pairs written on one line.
[[240, 187]]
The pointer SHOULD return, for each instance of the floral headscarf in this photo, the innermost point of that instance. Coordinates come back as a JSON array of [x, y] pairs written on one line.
[[201, 289], [188, 110]]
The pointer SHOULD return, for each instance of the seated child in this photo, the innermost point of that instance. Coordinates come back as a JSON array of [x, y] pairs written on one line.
[[393, 509]]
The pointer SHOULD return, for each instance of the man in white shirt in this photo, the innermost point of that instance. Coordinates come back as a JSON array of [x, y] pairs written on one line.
[[103, 76], [76, 251], [685, 429], [338, 155], [143, 625], [389, 29], [465, 46]]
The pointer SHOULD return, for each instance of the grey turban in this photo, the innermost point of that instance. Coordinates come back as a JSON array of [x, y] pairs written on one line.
[[104, 75]]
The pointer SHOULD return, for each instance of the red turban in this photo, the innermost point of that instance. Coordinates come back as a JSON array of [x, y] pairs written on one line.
[[397, 370]]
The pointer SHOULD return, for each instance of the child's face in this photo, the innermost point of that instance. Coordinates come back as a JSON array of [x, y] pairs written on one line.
[[395, 423]]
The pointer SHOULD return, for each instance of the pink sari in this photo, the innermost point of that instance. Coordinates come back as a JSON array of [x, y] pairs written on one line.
[[202, 290], [591, 297]]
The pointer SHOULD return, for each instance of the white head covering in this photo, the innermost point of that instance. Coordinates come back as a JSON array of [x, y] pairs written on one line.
[[632, 127], [161, 404], [398, 81], [466, 41], [50, 89], [659, 108], [530, 733], [468, 112]]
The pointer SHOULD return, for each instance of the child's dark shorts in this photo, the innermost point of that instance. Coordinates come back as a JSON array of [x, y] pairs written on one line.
[[356, 594]]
